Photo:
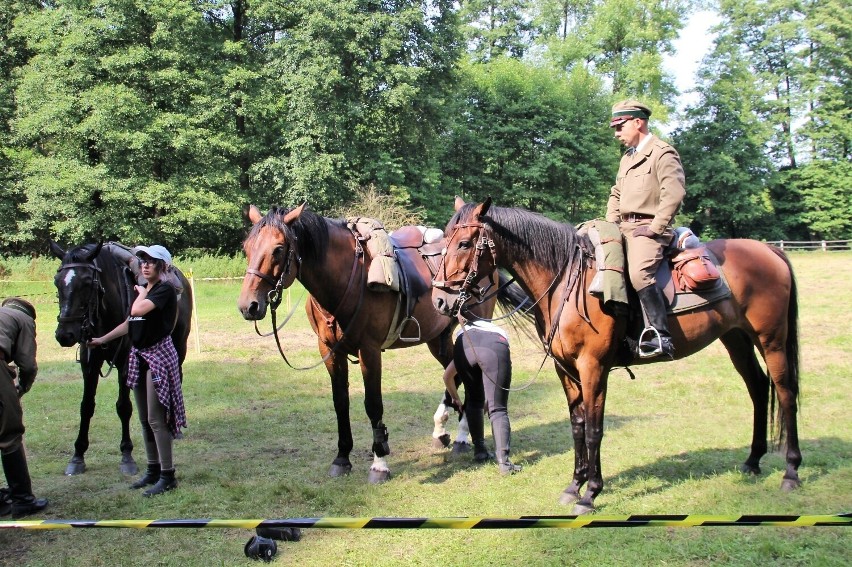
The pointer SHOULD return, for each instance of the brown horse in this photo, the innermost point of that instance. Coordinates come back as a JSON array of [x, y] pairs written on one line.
[[348, 317], [553, 266]]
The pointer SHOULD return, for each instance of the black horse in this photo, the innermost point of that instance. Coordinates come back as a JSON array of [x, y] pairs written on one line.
[[95, 290]]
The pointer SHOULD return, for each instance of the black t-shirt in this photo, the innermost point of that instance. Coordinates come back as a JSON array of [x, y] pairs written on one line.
[[149, 329]]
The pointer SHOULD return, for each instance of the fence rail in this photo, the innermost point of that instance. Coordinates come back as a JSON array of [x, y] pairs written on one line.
[[824, 245]]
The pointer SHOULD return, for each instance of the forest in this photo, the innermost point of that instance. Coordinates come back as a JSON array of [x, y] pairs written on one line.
[[161, 120]]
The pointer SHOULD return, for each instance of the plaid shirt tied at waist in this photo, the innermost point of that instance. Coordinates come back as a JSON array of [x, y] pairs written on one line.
[[163, 361]]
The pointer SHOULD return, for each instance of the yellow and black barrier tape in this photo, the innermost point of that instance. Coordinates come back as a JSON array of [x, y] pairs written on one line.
[[460, 523]]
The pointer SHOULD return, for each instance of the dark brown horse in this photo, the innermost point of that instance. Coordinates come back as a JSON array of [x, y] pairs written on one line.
[[348, 317], [94, 285], [551, 263]]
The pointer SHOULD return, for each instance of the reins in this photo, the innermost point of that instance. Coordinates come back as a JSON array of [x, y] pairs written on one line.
[[91, 313], [274, 298], [578, 275]]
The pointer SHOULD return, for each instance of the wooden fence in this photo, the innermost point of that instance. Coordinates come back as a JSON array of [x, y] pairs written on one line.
[[823, 245]]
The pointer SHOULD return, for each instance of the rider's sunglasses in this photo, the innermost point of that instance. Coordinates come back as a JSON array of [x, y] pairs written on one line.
[[147, 262]]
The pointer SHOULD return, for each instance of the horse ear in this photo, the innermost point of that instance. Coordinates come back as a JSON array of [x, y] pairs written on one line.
[[56, 250], [96, 251], [459, 203], [291, 216], [254, 214], [482, 209]]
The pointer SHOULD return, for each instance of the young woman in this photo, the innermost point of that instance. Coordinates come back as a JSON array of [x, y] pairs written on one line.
[[154, 371], [481, 357]]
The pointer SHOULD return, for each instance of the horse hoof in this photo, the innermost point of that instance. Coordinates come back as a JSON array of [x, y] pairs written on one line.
[[75, 466], [336, 471], [460, 447], [128, 466], [750, 470], [582, 510], [790, 484], [441, 442], [378, 477], [567, 498]]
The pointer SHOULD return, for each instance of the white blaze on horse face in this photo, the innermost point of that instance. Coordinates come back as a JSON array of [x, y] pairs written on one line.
[[69, 276]]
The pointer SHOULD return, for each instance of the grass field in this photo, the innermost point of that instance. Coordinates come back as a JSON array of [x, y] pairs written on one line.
[[261, 437]]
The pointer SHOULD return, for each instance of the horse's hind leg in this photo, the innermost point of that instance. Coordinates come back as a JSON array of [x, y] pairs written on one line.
[[778, 364], [124, 409], [741, 351], [440, 436]]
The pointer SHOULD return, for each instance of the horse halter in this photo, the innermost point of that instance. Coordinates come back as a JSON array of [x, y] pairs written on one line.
[[467, 286], [280, 283], [90, 308]]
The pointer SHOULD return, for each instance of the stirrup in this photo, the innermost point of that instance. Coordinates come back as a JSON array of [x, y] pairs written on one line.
[[656, 350], [402, 326]]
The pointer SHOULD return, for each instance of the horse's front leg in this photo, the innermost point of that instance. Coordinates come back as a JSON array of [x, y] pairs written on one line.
[[77, 464], [124, 409], [593, 378], [578, 431], [371, 370], [339, 373]]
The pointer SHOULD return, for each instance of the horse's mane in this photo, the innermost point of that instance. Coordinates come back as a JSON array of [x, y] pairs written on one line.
[[310, 231], [525, 234]]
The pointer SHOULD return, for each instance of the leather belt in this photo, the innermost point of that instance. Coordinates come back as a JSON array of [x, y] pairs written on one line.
[[636, 217]]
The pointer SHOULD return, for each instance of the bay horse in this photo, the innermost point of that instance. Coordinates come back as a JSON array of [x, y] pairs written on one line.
[[553, 265], [94, 285], [348, 318]]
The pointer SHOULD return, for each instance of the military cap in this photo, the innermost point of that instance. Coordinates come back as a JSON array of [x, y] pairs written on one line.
[[21, 305], [627, 109]]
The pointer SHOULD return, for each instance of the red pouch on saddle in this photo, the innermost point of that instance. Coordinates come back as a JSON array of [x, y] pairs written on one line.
[[693, 270]]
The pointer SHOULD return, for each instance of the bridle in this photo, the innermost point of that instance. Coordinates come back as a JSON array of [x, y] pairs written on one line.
[[90, 309], [468, 286], [285, 280]]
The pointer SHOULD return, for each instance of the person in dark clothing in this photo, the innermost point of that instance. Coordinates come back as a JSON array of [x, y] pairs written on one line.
[[154, 371], [18, 347], [481, 357]]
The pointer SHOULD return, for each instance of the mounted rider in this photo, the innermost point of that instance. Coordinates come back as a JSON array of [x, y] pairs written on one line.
[[648, 191]]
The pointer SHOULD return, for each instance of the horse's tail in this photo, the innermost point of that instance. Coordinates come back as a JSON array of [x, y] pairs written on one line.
[[514, 301], [791, 348]]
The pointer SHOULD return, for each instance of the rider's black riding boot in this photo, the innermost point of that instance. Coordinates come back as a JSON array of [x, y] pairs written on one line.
[[656, 339], [476, 426], [20, 486], [502, 432]]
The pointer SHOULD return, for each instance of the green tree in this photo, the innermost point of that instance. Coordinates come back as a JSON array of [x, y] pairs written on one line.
[[13, 54], [119, 139], [723, 151], [365, 85], [495, 28], [529, 136], [622, 41]]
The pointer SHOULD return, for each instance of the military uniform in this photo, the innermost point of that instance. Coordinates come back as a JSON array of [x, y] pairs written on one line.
[[18, 346], [649, 189]]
